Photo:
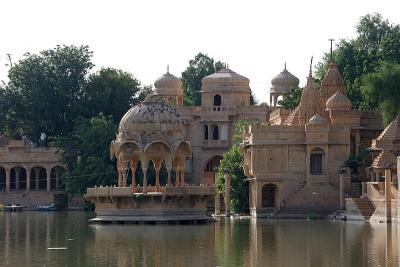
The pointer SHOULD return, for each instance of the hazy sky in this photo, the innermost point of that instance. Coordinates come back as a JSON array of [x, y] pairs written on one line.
[[254, 37]]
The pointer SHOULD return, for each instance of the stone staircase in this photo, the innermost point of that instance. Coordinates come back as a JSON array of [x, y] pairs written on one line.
[[289, 120], [316, 198], [365, 207]]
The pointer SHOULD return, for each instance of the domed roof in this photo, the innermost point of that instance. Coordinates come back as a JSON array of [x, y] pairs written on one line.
[[316, 119], [227, 79], [338, 101], [150, 116], [168, 84], [284, 81]]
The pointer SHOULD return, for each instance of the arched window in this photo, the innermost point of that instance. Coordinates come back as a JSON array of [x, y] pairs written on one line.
[[316, 161], [217, 100], [205, 132], [215, 132]]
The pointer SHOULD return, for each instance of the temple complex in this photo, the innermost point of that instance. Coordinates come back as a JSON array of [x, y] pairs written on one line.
[[295, 163]]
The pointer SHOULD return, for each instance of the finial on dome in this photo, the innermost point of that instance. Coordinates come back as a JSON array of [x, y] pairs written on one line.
[[167, 68], [285, 65], [331, 55], [310, 73]]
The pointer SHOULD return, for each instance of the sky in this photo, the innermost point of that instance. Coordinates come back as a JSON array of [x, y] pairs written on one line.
[[254, 37]]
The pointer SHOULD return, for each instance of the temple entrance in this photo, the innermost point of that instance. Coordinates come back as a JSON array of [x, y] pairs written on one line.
[[209, 170], [268, 195]]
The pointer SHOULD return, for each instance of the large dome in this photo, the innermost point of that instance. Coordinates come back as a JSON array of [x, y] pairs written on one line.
[[284, 81], [168, 84], [150, 118]]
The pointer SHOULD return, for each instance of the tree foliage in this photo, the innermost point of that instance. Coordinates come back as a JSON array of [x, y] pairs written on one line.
[[377, 41], [86, 154], [232, 163], [383, 86], [201, 66], [291, 99]]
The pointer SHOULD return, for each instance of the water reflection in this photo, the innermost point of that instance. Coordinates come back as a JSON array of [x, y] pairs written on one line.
[[25, 237]]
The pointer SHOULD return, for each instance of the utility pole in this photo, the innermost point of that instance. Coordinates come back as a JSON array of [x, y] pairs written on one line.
[[9, 59]]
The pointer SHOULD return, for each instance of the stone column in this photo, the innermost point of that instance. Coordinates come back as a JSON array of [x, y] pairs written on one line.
[[217, 202], [37, 175], [227, 195], [169, 177], [133, 171], [144, 180], [182, 176], [341, 189], [17, 172], [178, 176], [157, 166], [48, 174], [8, 180], [388, 195], [28, 179]]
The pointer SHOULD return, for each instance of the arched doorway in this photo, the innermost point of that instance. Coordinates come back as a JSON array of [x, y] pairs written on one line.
[[269, 195], [18, 178], [57, 178], [209, 170]]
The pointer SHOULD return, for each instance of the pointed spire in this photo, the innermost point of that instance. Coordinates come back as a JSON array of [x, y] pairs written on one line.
[[285, 65], [331, 55], [168, 68], [310, 73]]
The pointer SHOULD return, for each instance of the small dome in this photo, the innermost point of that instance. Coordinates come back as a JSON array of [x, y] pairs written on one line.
[[338, 101], [150, 116], [316, 119], [284, 81], [168, 84]]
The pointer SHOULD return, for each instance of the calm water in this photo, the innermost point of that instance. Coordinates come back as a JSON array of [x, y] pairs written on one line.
[[25, 238]]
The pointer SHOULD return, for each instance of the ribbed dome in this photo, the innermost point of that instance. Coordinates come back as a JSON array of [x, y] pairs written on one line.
[[168, 84], [150, 116], [284, 81], [316, 119], [338, 101]]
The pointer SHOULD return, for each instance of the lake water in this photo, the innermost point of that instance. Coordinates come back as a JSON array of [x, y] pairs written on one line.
[[26, 236]]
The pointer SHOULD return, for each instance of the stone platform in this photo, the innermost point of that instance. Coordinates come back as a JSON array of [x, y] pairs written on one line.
[[167, 204]]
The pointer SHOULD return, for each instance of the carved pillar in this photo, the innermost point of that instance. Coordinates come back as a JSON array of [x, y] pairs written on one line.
[[169, 177], [37, 175], [157, 166], [270, 99], [28, 179], [8, 180], [48, 174], [144, 180], [227, 195], [133, 171], [388, 195], [341, 191], [217, 202], [182, 176], [17, 172], [177, 176]]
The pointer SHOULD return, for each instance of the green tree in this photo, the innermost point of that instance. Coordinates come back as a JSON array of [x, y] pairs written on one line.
[[232, 163], [201, 66], [383, 86], [86, 154], [291, 99], [46, 89], [111, 92], [376, 41]]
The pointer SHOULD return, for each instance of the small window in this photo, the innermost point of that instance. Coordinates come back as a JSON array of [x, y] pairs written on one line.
[[205, 130], [217, 100], [215, 132], [316, 161]]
